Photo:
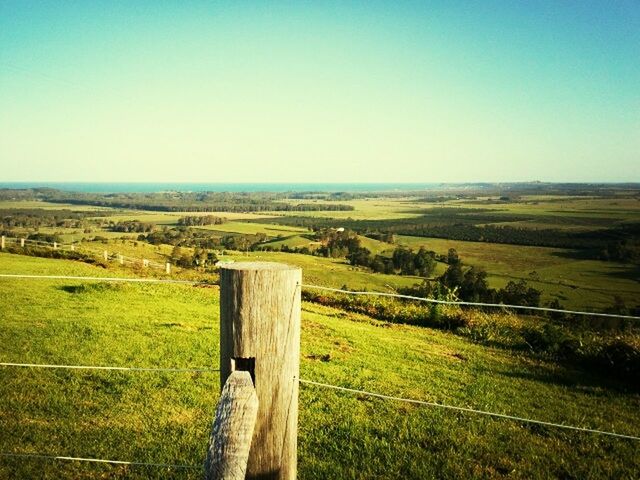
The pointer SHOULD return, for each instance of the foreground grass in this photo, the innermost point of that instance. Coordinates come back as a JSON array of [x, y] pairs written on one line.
[[166, 417]]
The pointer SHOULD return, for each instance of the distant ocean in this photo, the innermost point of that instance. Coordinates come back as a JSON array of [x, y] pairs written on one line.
[[222, 187]]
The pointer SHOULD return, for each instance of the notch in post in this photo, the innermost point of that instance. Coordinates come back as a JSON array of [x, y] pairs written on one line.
[[239, 364]]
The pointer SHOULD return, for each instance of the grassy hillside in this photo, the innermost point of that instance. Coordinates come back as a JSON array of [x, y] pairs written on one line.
[[165, 417], [332, 272]]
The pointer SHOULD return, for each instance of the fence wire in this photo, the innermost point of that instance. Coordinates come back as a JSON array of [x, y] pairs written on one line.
[[100, 367], [468, 410], [105, 279], [472, 304], [98, 460]]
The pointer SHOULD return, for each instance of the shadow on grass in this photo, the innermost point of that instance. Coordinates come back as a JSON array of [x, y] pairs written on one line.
[[593, 383], [89, 287]]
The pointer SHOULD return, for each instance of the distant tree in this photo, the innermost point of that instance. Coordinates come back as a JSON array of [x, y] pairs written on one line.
[[452, 257], [424, 262], [474, 286], [453, 276], [360, 256], [518, 293], [176, 254]]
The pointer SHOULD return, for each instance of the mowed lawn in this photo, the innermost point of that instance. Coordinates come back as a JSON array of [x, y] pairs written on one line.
[[165, 417]]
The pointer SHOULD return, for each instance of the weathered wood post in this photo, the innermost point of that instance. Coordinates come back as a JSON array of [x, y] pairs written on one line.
[[55, 245], [105, 255], [121, 259], [2, 243], [232, 430], [22, 242], [167, 268], [260, 333]]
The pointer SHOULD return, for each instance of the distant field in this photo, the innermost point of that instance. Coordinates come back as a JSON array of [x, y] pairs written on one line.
[[268, 229], [293, 241], [366, 209], [28, 204], [171, 218], [166, 417], [619, 209], [576, 283], [329, 271]]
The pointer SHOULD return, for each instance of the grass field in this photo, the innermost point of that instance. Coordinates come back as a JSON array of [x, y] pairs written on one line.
[[365, 209], [171, 218], [331, 272], [31, 204], [576, 283], [625, 208], [268, 229], [165, 417]]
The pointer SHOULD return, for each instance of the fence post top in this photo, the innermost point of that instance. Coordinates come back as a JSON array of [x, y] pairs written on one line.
[[258, 266]]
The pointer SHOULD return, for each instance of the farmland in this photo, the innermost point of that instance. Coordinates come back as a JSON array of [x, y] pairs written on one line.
[[562, 370], [560, 272], [165, 417]]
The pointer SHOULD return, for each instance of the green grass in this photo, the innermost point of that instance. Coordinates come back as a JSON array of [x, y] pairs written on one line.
[[171, 218], [30, 204], [625, 208], [166, 417], [270, 230], [293, 241], [583, 284], [331, 272]]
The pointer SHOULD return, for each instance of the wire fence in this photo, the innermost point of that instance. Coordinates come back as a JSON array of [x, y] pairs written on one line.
[[300, 380], [104, 279], [336, 290], [100, 367], [471, 304], [467, 410], [98, 460], [83, 248]]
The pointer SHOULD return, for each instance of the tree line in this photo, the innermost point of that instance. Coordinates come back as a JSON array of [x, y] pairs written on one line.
[[200, 220]]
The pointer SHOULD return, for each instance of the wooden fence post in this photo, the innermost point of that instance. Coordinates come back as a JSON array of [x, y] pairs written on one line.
[[260, 333], [2, 243], [167, 268], [105, 255], [73, 247], [232, 429], [55, 245], [22, 242], [121, 259]]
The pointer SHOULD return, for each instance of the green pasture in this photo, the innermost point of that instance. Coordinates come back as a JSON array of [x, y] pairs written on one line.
[[619, 209], [544, 207], [296, 241], [576, 283], [365, 209], [166, 417], [171, 218], [293, 241], [268, 229], [329, 272], [31, 204]]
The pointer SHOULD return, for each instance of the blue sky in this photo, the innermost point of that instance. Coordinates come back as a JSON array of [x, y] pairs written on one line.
[[319, 91]]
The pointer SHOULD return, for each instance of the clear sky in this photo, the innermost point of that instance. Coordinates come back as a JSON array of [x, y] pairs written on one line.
[[316, 91]]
